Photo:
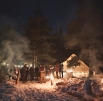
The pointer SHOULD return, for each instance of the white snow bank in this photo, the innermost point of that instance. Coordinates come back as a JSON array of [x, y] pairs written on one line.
[[73, 90]]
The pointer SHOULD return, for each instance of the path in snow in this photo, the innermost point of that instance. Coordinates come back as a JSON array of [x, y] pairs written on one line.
[[32, 91], [73, 90]]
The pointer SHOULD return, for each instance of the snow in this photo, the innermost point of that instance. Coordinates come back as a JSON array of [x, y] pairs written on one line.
[[73, 89]]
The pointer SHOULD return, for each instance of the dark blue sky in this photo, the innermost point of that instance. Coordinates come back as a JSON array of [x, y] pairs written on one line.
[[58, 12]]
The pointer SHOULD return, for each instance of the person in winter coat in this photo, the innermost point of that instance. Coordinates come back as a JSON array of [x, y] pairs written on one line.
[[27, 73], [61, 70], [47, 71], [23, 73], [42, 74], [32, 71], [37, 73], [57, 70], [16, 72]]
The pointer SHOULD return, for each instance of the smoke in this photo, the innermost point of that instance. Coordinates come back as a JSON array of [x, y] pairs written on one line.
[[73, 41], [92, 57], [14, 49], [14, 46], [9, 50], [12, 43]]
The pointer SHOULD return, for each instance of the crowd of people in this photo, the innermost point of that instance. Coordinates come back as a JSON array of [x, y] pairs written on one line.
[[27, 73]]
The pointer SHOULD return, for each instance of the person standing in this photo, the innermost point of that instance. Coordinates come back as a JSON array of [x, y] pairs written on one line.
[[37, 73], [27, 73], [23, 73], [61, 70], [42, 74], [16, 72], [32, 71], [57, 70], [47, 71]]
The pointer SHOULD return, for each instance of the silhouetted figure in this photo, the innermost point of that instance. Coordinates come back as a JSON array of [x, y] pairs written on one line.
[[37, 73], [17, 73], [47, 71], [14, 73], [61, 71], [27, 73], [23, 73], [42, 74], [32, 71], [57, 70]]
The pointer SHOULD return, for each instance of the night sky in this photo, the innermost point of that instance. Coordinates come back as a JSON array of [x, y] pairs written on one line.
[[58, 12]]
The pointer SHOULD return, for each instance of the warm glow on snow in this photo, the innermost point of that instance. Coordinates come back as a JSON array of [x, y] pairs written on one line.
[[51, 77], [70, 70]]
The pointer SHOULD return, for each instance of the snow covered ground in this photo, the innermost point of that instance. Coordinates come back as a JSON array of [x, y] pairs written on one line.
[[72, 90]]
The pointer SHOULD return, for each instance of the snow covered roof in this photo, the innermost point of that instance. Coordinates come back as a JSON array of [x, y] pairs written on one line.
[[81, 68], [73, 55]]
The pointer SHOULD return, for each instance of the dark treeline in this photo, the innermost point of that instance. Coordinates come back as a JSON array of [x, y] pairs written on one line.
[[84, 33], [37, 43]]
